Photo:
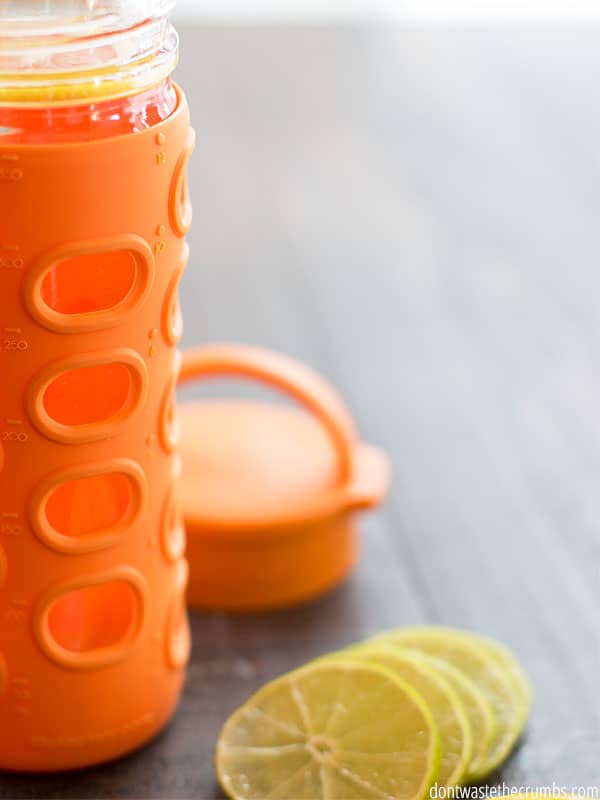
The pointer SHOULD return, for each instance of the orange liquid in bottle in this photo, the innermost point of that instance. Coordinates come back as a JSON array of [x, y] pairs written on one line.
[[82, 86], [89, 618], [88, 283], [87, 121]]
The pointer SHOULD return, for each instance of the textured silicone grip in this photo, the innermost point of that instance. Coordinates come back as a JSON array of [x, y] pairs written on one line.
[[93, 630]]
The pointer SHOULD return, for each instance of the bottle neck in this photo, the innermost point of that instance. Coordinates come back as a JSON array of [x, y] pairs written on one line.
[[84, 69], [55, 124]]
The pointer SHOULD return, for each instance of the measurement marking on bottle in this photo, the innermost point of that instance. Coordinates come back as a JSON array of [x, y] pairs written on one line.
[[18, 437], [152, 335], [15, 262], [9, 156], [160, 246], [14, 345], [7, 529], [9, 248], [11, 528], [12, 175], [14, 421], [150, 445], [12, 330], [21, 694], [98, 735]]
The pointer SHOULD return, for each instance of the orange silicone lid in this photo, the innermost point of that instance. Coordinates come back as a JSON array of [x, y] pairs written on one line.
[[268, 491]]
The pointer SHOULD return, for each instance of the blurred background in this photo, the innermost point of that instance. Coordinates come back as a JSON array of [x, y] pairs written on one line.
[[405, 195], [400, 9]]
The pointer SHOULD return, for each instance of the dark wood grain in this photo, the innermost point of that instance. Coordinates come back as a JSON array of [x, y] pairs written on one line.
[[414, 213]]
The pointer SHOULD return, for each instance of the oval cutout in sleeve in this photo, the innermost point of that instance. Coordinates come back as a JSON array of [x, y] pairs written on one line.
[[173, 538], [88, 398], [90, 394], [178, 637], [168, 425], [94, 621], [180, 206], [86, 509], [90, 285], [172, 320]]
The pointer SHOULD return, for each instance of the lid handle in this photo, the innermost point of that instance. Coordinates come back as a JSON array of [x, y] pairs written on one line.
[[286, 375]]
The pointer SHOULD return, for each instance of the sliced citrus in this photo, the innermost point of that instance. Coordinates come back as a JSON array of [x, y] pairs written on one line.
[[456, 739], [508, 661], [464, 652], [478, 709], [333, 730]]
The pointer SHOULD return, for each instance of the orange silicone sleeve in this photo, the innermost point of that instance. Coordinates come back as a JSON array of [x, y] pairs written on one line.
[[93, 630]]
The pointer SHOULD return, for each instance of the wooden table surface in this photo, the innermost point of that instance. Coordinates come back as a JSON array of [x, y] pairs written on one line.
[[414, 212]]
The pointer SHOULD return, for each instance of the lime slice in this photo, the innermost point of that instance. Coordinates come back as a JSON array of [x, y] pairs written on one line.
[[509, 663], [477, 707], [444, 703], [333, 730], [463, 651]]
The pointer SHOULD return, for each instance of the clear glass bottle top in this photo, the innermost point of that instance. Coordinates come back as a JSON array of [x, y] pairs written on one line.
[[69, 51]]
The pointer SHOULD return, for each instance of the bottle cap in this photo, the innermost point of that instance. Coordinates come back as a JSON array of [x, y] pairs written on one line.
[[269, 491]]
